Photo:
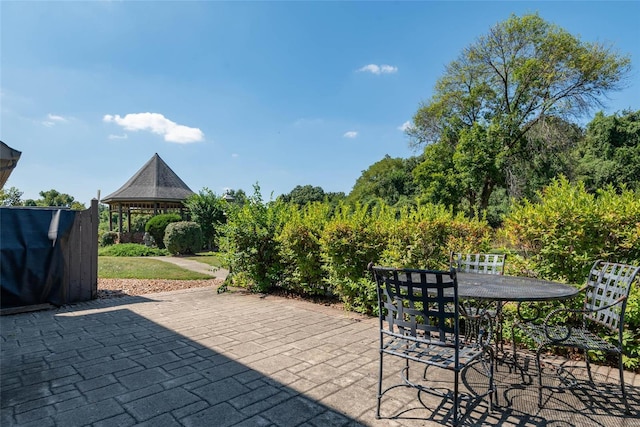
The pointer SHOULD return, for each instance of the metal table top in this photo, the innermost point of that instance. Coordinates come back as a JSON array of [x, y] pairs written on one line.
[[511, 288]]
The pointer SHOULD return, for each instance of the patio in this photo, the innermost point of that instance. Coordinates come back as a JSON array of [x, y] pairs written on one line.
[[195, 357]]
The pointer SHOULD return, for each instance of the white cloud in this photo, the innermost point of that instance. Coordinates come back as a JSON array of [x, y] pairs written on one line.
[[158, 124], [350, 134], [56, 118], [379, 69], [123, 136], [405, 126], [235, 155], [53, 119]]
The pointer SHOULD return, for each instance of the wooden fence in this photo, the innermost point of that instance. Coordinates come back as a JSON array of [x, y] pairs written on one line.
[[55, 267]]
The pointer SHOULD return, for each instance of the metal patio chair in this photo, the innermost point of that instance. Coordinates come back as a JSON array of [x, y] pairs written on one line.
[[605, 301], [480, 263], [474, 311], [419, 322]]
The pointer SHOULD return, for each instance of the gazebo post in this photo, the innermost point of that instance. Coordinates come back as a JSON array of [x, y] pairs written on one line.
[[110, 218], [128, 219], [120, 218]]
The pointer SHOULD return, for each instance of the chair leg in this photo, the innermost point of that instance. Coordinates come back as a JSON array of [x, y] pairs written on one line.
[[515, 355], [492, 384], [539, 367], [456, 403], [627, 409], [379, 387], [586, 359]]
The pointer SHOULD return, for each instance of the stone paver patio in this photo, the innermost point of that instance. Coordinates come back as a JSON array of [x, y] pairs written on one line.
[[198, 358]]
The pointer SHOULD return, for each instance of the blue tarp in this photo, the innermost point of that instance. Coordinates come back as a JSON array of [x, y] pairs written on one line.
[[33, 251]]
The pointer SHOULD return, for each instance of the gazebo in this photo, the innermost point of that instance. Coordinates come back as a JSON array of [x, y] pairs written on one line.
[[8, 161], [154, 189]]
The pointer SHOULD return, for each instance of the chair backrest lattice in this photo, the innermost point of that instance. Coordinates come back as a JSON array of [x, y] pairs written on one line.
[[420, 304], [607, 283], [480, 263]]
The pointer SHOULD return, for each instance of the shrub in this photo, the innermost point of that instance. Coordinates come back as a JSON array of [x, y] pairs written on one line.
[[109, 238], [156, 226], [130, 249], [569, 228], [562, 235], [249, 242], [183, 237], [300, 248], [352, 239], [425, 236]]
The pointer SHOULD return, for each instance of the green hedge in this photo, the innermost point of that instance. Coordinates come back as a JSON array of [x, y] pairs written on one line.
[[183, 237], [157, 225]]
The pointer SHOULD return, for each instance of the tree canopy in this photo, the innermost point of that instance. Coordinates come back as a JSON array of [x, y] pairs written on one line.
[[389, 179], [523, 73], [610, 151]]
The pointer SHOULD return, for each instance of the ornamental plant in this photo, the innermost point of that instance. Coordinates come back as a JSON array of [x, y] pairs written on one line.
[[183, 237], [157, 225]]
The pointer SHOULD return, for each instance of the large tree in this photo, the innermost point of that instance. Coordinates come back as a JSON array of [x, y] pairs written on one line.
[[55, 198], [389, 179], [610, 151], [523, 72], [11, 197]]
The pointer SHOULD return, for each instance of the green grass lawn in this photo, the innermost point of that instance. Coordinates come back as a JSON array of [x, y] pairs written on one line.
[[110, 267], [205, 257]]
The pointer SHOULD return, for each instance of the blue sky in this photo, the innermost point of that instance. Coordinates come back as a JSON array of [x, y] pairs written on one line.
[[231, 94]]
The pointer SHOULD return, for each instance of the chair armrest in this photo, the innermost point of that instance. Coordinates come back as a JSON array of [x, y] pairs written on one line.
[[551, 329]]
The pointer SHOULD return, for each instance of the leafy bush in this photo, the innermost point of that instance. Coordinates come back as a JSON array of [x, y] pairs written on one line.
[[425, 236], [109, 238], [561, 236], [351, 239], [300, 248], [183, 237], [249, 242], [157, 225], [568, 229], [130, 249]]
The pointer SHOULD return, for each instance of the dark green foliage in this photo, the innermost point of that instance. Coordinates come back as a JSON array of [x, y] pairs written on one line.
[[610, 151], [249, 244], [11, 197], [130, 249], [183, 237], [490, 112], [109, 238], [139, 222], [301, 195], [156, 226], [208, 211], [390, 180]]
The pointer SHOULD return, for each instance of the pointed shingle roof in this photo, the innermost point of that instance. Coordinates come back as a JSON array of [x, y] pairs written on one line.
[[8, 161], [155, 181]]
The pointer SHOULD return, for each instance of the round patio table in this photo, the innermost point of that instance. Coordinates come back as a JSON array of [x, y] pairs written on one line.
[[511, 288]]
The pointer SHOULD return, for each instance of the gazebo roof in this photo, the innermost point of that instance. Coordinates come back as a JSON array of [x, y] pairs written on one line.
[[8, 161], [154, 182]]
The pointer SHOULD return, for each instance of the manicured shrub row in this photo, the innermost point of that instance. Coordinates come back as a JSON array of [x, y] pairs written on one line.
[[317, 250], [131, 249]]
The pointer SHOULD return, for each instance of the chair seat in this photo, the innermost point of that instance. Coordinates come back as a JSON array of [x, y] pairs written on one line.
[[580, 338], [432, 353]]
